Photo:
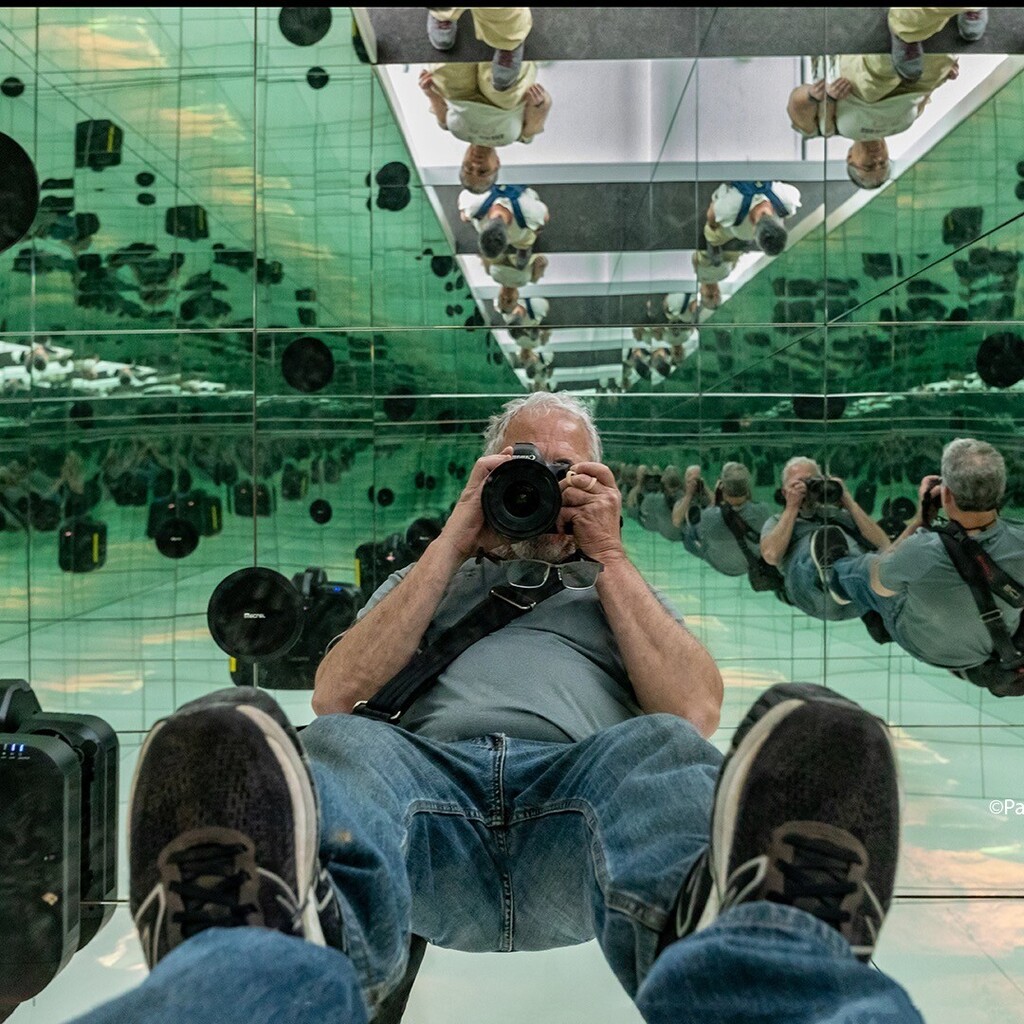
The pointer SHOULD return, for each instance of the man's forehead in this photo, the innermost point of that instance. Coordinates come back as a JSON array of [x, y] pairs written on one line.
[[549, 427]]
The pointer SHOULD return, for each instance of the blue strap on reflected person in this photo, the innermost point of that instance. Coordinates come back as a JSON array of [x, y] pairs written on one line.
[[509, 192], [749, 189]]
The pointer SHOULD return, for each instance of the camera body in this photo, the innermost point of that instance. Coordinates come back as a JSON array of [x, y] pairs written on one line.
[[930, 505], [328, 609], [822, 490], [521, 498]]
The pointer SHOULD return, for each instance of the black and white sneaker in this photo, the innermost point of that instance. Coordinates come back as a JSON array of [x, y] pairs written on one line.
[[828, 545], [807, 812], [223, 827]]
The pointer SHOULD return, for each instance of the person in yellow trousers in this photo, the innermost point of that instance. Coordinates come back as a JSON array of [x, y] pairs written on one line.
[[877, 96], [486, 105]]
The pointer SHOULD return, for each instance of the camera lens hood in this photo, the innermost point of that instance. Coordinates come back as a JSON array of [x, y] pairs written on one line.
[[521, 499], [255, 614]]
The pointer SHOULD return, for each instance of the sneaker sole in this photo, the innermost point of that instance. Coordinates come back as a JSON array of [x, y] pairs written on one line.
[[303, 804], [731, 783], [822, 573]]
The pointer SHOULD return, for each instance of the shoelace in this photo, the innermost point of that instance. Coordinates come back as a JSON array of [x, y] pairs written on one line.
[[820, 872], [210, 904]]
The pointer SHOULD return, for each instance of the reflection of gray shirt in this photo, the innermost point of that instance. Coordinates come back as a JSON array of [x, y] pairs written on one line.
[[554, 673], [803, 529], [656, 515], [719, 547], [937, 619]]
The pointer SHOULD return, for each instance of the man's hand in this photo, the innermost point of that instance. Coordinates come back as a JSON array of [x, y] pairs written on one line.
[[591, 510], [839, 89], [427, 83], [465, 529], [928, 487], [537, 96], [795, 492]]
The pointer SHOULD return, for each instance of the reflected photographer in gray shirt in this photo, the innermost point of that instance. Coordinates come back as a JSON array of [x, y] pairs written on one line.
[[924, 602], [709, 536]]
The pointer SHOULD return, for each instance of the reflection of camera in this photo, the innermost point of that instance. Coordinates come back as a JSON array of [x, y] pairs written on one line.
[[521, 498], [328, 609], [652, 483], [930, 504], [823, 490]]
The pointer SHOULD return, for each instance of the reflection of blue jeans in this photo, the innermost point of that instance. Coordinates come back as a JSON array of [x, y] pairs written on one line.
[[851, 578], [688, 535], [805, 589], [759, 963]]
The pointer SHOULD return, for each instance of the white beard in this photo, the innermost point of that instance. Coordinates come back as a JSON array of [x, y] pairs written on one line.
[[548, 547]]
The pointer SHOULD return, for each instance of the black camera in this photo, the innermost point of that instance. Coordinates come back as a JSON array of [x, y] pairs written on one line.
[[328, 609], [823, 490], [521, 498], [930, 505], [651, 484]]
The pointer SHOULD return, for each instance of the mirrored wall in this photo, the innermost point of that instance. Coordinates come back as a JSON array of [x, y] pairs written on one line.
[[257, 319]]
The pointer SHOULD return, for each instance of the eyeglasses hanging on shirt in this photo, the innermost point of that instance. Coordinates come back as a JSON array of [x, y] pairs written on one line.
[[580, 573]]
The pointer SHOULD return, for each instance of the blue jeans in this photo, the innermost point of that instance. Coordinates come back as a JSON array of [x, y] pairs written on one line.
[[497, 844], [759, 963], [805, 590], [691, 540]]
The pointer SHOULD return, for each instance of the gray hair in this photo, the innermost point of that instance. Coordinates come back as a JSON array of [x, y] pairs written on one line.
[[975, 474], [541, 403], [798, 460], [864, 181], [735, 480]]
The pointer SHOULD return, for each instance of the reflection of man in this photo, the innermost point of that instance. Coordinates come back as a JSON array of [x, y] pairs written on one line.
[[877, 96], [488, 105], [507, 219], [657, 502], [786, 537], [710, 537], [553, 786], [925, 604], [751, 211]]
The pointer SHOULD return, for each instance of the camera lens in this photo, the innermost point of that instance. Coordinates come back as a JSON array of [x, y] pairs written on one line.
[[521, 500]]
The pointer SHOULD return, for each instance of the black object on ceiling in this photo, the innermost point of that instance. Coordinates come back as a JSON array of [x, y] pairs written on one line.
[[304, 26], [307, 364], [317, 78], [255, 613], [19, 192], [1000, 359], [12, 87]]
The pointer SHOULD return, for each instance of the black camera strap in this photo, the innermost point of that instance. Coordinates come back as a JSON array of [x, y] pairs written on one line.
[[501, 606], [743, 531], [985, 578]]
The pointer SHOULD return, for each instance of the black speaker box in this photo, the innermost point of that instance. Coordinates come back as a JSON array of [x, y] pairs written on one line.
[[82, 545], [187, 222], [40, 863], [252, 501], [98, 144], [95, 745]]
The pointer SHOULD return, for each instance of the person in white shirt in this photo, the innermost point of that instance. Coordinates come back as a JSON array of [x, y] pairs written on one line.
[[505, 217], [877, 96]]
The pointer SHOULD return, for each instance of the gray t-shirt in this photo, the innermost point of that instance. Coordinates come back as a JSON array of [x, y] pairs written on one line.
[[719, 547], [936, 618], [656, 515], [804, 528], [554, 673]]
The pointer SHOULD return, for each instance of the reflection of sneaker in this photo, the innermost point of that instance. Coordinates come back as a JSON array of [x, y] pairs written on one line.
[[224, 827], [828, 545], [826, 842], [493, 238], [441, 33], [505, 67], [971, 24], [907, 59]]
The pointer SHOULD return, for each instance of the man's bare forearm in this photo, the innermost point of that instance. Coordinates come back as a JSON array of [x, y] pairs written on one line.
[[776, 544], [671, 671], [383, 641]]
